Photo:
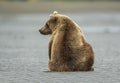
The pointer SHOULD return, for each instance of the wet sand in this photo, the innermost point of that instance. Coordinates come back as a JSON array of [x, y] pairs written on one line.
[[62, 6], [24, 53]]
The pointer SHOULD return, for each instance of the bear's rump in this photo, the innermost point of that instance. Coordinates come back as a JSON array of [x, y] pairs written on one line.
[[72, 58]]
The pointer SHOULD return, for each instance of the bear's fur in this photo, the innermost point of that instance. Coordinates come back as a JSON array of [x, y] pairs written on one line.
[[68, 49]]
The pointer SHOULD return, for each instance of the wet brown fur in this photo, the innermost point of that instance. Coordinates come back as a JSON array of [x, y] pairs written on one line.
[[68, 49]]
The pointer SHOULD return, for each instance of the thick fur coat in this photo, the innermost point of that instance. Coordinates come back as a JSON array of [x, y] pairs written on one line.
[[68, 48]]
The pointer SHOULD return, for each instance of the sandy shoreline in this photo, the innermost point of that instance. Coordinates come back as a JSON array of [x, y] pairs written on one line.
[[46, 7]]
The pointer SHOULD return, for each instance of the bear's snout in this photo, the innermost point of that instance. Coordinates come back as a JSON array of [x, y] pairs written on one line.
[[41, 31], [45, 31]]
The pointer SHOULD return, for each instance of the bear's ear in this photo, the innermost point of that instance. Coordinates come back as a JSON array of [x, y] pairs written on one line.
[[55, 12]]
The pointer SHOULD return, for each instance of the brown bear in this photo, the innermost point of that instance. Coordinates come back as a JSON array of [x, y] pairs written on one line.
[[68, 49]]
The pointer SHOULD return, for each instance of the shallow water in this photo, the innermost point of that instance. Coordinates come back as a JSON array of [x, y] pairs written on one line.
[[24, 52]]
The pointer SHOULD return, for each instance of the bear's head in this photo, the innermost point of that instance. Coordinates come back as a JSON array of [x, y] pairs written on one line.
[[55, 21]]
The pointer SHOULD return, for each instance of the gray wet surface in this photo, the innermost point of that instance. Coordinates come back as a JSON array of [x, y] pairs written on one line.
[[24, 52]]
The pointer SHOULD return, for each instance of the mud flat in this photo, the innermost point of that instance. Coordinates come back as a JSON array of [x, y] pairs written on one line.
[[48, 7]]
